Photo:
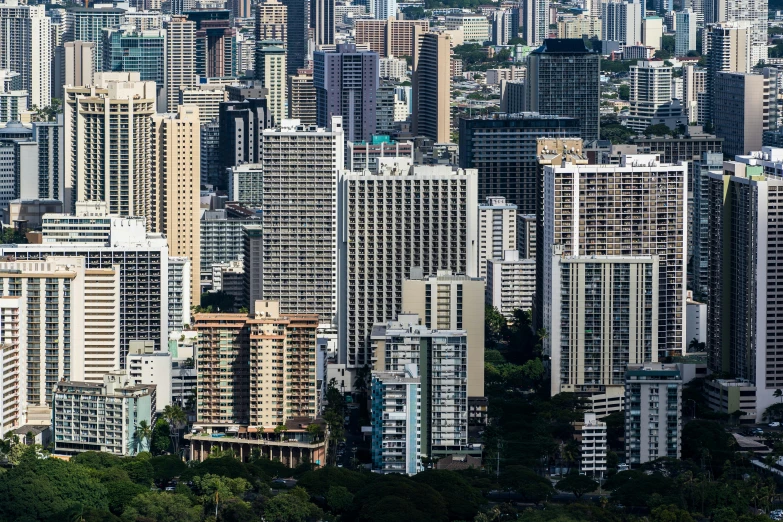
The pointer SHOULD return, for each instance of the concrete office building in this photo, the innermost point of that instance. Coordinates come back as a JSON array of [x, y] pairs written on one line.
[[26, 48], [322, 22], [745, 102], [143, 265], [271, 71], [630, 193], [444, 404], [396, 421], [345, 83], [246, 185], [451, 302], [621, 21], [101, 416], [301, 97], [80, 307], [431, 81], [103, 124], [507, 168], [589, 355], [475, 27], [179, 287], [271, 20], [389, 37], [180, 58], [742, 339], [563, 78], [297, 28], [653, 412], [497, 230], [404, 236], [301, 165], [176, 181], [685, 34], [511, 283], [145, 366], [651, 96]]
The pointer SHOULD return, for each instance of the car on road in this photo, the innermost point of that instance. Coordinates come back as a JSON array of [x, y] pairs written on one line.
[[774, 425]]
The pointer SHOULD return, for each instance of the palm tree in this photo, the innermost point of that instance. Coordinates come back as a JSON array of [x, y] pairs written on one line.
[[143, 431], [778, 394], [177, 419]]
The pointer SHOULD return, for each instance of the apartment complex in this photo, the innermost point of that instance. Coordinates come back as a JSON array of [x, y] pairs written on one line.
[[270, 69], [101, 416], [179, 286], [389, 37], [497, 230], [301, 93], [431, 81], [651, 96], [746, 104], [246, 185], [11, 361], [475, 27], [405, 216], [441, 356], [180, 58], [221, 235], [271, 21], [591, 436], [511, 283], [396, 421], [653, 412], [26, 48], [301, 168]]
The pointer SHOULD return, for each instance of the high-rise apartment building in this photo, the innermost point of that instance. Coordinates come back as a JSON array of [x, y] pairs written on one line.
[[431, 115], [728, 50], [563, 78], [109, 134], [297, 29], [301, 97], [511, 283], [176, 181], [322, 22], [685, 33], [271, 22], [746, 102], [441, 355], [79, 65], [11, 364], [246, 185], [207, 97], [301, 166], [86, 24], [126, 49], [345, 83], [507, 167], [222, 238], [396, 421], [700, 228], [752, 14], [389, 37], [12, 101], [180, 58], [449, 301], [636, 208], [102, 416], [381, 243], [257, 369], [526, 235], [621, 21], [241, 124], [744, 205], [651, 95], [497, 230], [180, 283], [653, 412], [383, 9], [49, 136], [214, 42], [579, 26], [474, 26], [26, 48], [534, 21], [271, 71]]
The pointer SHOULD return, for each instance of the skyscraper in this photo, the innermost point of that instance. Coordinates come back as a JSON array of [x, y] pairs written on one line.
[[301, 97], [752, 13], [431, 83], [322, 22], [215, 42], [79, 65], [534, 15], [271, 71], [26, 48], [345, 83], [651, 95], [271, 20], [728, 50], [497, 230], [127, 49], [297, 28], [685, 34], [176, 183], [563, 78], [301, 167], [507, 167], [180, 58], [241, 124], [621, 21], [383, 9], [86, 24], [743, 103]]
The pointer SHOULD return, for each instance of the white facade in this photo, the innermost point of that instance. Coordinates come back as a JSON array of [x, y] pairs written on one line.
[[380, 243], [91, 223], [475, 27], [179, 293], [393, 69], [396, 421], [383, 9], [497, 230], [696, 320], [152, 368], [651, 94], [591, 435], [246, 184], [511, 283], [621, 21], [26, 48], [11, 342], [685, 35]]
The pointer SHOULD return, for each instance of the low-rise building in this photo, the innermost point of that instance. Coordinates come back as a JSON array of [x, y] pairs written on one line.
[[101, 416], [695, 323], [591, 436], [730, 396], [146, 366]]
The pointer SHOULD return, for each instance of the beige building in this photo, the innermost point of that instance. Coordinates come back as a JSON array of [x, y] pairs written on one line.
[[475, 27], [180, 58], [431, 86], [579, 27], [390, 37], [742, 112], [271, 69], [207, 97], [10, 368], [176, 187], [451, 302], [511, 283], [301, 97], [271, 23], [109, 135], [79, 66], [497, 230], [258, 369]]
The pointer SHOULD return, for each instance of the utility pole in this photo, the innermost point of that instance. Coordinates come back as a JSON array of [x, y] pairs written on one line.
[[497, 472]]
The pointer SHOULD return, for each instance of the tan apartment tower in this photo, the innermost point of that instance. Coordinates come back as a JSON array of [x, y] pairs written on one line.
[[271, 21], [180, 56]]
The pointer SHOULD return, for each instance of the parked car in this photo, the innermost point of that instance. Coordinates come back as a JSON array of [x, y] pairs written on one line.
[[774, 425]]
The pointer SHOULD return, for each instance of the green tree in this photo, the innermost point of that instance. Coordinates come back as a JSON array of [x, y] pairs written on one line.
[[577, 484], [177, 419], [139, 469], [161, 507], [339, 499], [616, 133], [495, 327], [624, 91], [670, 514], [166, 468], [291, 506], [142, 436], [217, 301], [462, 499], [161, 437], [222, 466], [531, 486], [704, 440], [659, 129], [44, 489]]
